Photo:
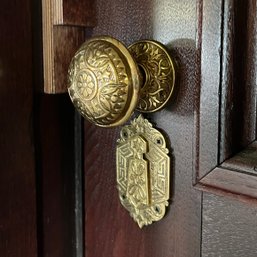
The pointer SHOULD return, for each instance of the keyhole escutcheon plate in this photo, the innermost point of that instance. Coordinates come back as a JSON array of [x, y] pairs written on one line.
[[143, 171]]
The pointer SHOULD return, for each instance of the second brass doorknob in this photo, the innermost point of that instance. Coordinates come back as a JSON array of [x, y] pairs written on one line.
[[107, 81]]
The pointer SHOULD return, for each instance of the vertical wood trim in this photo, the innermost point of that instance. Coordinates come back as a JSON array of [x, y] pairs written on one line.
[[252, 68], [58, 13], [234, 173], [227, 75], [79, 187], [18, 220], [48, 57], [238, 100], [208, 111], [54, 139], [196, 132]]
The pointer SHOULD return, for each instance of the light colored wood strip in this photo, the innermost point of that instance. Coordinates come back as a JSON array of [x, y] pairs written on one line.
[[48, 60], [58, 12]]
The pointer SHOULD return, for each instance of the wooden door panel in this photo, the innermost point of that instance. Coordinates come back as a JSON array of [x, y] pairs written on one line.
[[55, 171], [37, 194], [18, 232], [109, 230], [229, 227], [211, 117]]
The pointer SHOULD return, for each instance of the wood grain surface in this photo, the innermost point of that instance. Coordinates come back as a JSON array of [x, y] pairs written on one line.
[[229, 225], [229, 228], [18, 231], [209, 39], [245, 161], [109, 230], [55, 159], [235, 100], [233, 183], [73, 12], [238, 81], [37, 180], [66, 41]]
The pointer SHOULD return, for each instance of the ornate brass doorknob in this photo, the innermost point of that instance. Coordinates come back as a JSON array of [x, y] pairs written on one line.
[[107, 81]]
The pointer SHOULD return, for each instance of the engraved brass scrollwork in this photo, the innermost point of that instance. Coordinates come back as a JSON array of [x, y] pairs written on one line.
[[143, 171], [106, 83], [157, 66]]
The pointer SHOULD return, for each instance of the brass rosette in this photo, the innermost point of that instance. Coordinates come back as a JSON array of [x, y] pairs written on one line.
[[158, 71]]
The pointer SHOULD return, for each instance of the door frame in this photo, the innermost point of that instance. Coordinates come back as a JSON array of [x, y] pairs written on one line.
[[226, 102]]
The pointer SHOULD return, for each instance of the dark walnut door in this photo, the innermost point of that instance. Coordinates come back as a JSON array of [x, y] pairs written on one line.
[[209, 120], [58, 181], [109, 229]]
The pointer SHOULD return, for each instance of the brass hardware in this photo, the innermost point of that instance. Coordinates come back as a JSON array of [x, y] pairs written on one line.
[[159, 74], [107, 81], [143, 171]]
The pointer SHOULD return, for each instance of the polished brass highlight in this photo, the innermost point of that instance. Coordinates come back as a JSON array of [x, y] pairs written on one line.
[[104, 82], [143, 171], [106, 85], [159, 74]]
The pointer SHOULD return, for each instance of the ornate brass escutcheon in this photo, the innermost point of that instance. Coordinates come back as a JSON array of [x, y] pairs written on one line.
[[106, 83], [143, 171]]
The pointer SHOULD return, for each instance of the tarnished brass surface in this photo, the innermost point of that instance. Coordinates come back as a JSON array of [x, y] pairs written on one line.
[[143, 171], [159, 74], [104, 81]]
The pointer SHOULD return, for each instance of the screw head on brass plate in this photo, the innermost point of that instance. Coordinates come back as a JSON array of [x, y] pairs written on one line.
[[106, 81]]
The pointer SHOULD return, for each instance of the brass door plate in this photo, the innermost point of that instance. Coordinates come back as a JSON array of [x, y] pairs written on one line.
[[143, 171], [158, 73]]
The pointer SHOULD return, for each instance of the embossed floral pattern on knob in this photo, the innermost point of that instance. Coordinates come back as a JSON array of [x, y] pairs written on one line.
[[107, 81], [104, 82], [86, 81]]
